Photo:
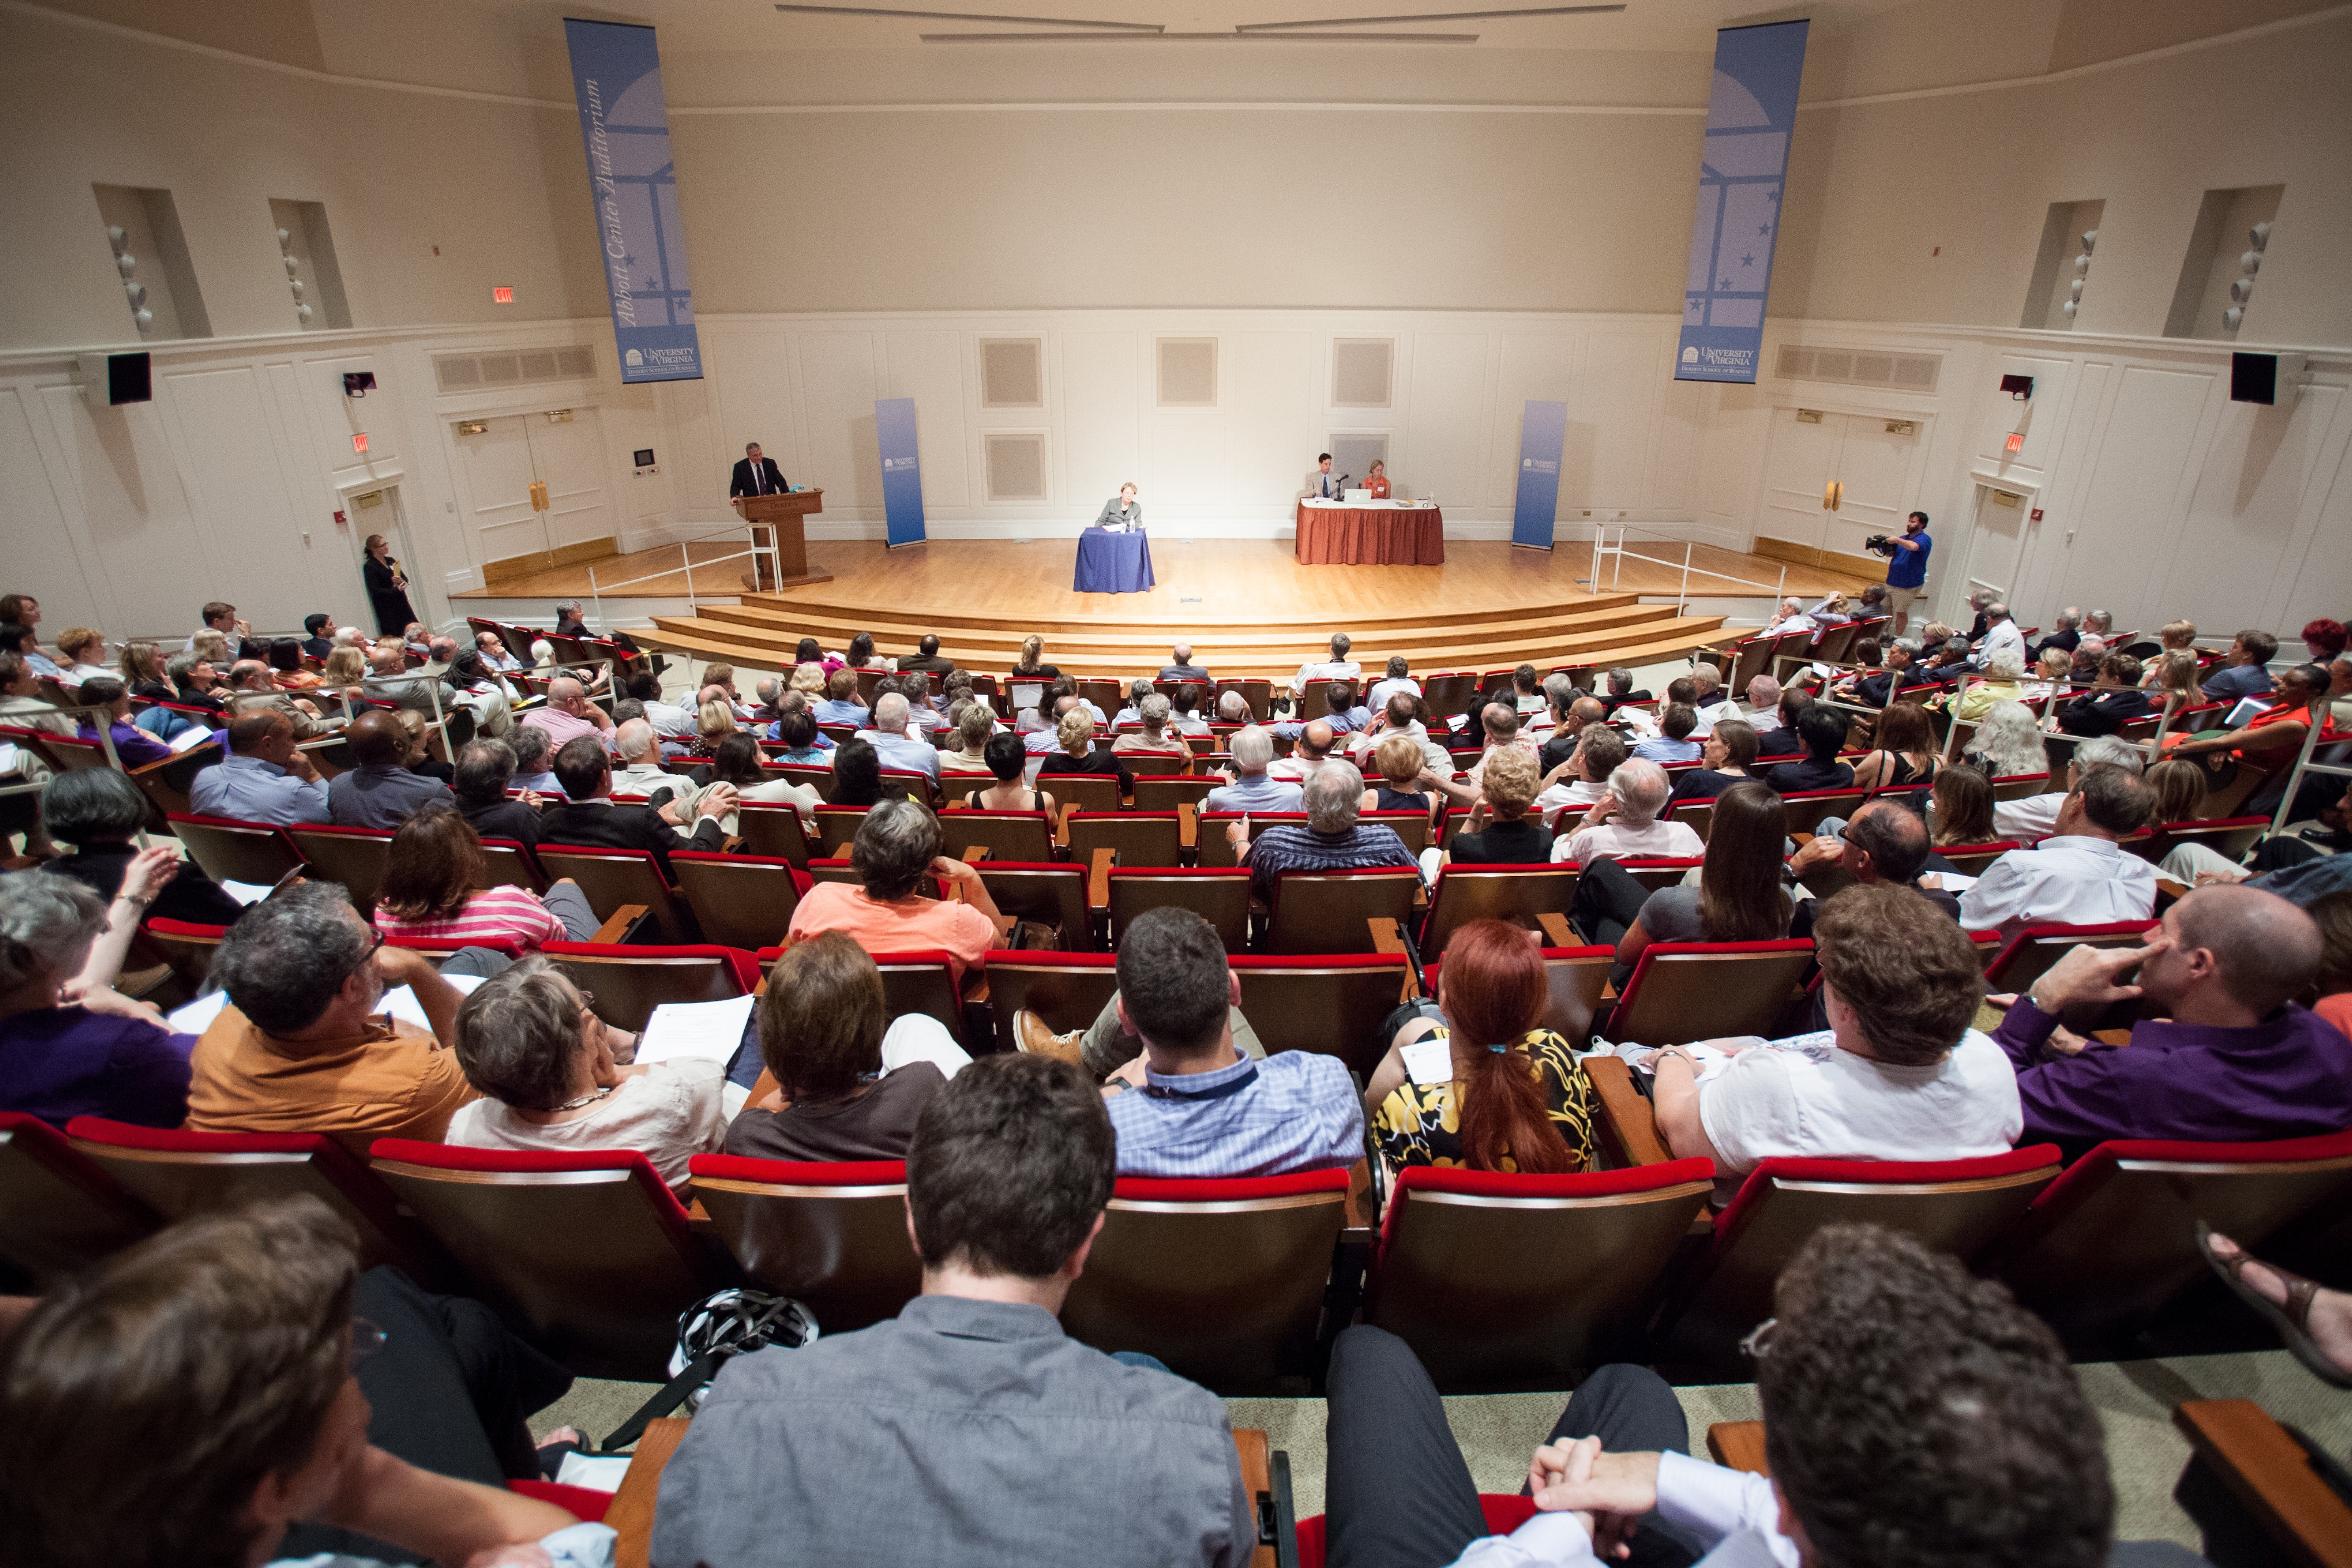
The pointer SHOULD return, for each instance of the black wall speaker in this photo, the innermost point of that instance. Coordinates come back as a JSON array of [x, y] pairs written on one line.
[[128, 379], [2253, 378], [2018, 387]]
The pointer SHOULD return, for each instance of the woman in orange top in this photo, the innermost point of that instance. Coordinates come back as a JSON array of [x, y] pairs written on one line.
[[1377, 482]]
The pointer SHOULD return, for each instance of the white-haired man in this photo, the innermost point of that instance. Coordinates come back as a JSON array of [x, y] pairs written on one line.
[[2036, 816], [1332, 839], [1791, 617], [1251, 789], [1623, 824], [638, 750], [891, 739], [569, 715]]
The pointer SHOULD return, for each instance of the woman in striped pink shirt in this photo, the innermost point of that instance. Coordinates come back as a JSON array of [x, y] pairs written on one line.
[[433, 888]]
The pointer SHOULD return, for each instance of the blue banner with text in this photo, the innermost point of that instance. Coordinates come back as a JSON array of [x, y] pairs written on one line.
[[1749, 115], [902, 468], [1543, 432], [617, 77]]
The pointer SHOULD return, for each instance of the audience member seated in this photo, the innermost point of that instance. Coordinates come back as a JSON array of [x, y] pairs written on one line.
[[893, 743], [2080, 875], [2234, 1058], [190, 1399], [1905, 751], [1583, 779], [804, 744], [857, 776], [485, 771], [736, 764], [132, 746], [2052, 676], [1500, 831], [2001, 634], [2245, 669], [389, 679], [145, 671], [587, 815], [1007, 760], [1029, 666], [1251, 787], [1308, 752], [19, 637], [1184, 710], [1673, 742], [1394, 678], [1571, 712], [1821, 732], [534, 771], [841, 705], [1399, 761], [1724, 760], [1179, 667], [73, 1044], [2004, 669], [1789, 617], [637, 751], [1331, 839], [99, 811], [2036, 816], [1885, 842], [344, 674], [302, 1046], [896, 853], [1132, 712], [83, 652], [1191, 1104], [927, 660], [1898, 1074], [380, 790], [1340, 711], [1498, 725], [1338, 666], [416, 747], [1739, 897], [922, 713], [436, 889], [1157, 738], [1913, 1415], [496, 656], [568, 715], [221, 621], [1079, 753], [2008, 744], [2119, 700], [1233, 707], [548, 1074], [848, 1089], [1707, 701], [477, 688], [1779, 738], [2273, 739], [266, 777], [1624, 822], [975, 726], [252, 689], [971, 1412], [1508, 1094], [1621, 690]]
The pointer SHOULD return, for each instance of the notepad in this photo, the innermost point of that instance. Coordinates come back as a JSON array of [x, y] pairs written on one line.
[[1429, 1062], [709, 1030], [400, 1002]]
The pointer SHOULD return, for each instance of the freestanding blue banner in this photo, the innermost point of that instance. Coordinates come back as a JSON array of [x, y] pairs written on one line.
[[1749, 115], [1543, 432], [617, 77], [902, 469]]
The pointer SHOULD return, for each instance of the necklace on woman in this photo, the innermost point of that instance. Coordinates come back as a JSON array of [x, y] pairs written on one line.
[[584, 1100]]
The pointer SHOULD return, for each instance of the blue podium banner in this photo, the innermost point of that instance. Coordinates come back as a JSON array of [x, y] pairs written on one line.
[[902, 468], [617, 77], [1543, 432], [1749, 115]]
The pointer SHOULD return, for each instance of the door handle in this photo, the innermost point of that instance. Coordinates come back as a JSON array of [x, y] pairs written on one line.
[[1833, 496], [537, 496]]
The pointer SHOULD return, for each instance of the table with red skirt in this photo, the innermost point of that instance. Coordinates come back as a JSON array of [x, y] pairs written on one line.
[[1370, 536]]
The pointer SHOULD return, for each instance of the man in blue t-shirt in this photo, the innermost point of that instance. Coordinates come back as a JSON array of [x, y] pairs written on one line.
[[1906, 568]]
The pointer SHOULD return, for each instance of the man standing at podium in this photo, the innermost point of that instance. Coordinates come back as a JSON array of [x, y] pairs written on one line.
[[756, 475]]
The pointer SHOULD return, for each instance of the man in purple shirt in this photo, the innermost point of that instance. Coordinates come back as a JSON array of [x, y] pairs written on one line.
[[2233, 1061]]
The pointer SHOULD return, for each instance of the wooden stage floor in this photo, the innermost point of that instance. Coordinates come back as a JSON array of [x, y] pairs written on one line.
[[1231, 579]]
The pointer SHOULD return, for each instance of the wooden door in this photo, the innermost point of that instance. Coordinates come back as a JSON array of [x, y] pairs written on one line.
[[501, 488], [1875, 474], [567, 457], [1798, 465]]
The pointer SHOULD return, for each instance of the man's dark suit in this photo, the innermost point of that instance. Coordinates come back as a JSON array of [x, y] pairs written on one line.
[[934, 665], [2104, 713], [2069, 640], [1781, 742], [1612, 702], [771, 480], [600, 824], [504, 819], [1185, 672], [318, 648]]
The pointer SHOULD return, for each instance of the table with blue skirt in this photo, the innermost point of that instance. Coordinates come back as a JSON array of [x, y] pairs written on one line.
[[1113, 562]]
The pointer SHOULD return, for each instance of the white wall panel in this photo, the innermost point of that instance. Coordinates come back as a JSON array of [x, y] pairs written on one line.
[[1098, 394], [243, 512], [837, 383], [1535, 365], [2135, 492], [1612, 417], [1675, 446], [2317, 582], [1270, 385], [1444, 451], [927, 366], [133, 510], [2245, 534], [33, 520]]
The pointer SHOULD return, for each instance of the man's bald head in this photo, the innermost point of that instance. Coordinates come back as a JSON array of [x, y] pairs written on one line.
[[1182, 652], [376, 739], [1894, 838], [1502, 722], [251, 675], [2265, 950], [566, 693], [386, 659], [634, 741], [1586, 711], [443, 649], [1315, 739]]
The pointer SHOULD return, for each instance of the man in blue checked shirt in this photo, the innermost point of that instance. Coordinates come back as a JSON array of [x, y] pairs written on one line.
[[1193, 1105]]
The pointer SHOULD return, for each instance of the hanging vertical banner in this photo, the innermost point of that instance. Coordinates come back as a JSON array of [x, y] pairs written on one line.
[[902, 469], [617, 77], [1750, 114], [1543, 432]]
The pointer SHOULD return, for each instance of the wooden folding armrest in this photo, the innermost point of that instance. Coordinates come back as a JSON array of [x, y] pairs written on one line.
[[1188, 825], [624, 919], [2112, 1037], [1359, 1191], [2168, 892], [632, 1514], [1386, 936], [1099, 878], [1627, 1118], [1062, 824], [1557, 932], [2268, 1471], [1801, 839], [1739, 1445], [1251, 1448], [973, 854]]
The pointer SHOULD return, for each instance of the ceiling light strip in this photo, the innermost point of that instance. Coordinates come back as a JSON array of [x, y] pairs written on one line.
[[1198, 37], [970, 16], [1430, 16]]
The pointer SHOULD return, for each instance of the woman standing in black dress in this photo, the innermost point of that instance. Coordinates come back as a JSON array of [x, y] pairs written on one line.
[[387, 587]]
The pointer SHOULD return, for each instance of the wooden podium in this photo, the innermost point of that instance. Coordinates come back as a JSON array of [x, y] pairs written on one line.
[[775, 522]]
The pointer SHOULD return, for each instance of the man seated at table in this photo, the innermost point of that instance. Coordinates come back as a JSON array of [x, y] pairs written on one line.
[[1331, 840], [968, 1428]]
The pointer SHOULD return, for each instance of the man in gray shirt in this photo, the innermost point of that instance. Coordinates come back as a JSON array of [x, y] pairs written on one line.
[[378, 792], [968, 1428]]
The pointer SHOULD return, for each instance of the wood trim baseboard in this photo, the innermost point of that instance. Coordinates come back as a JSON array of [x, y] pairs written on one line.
[[513, 566], [1869, 568]]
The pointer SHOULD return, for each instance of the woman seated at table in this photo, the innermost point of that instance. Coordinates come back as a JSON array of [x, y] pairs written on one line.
[[1008, 759], [551, 1077], [1898, 1074], [1516, 1098], [1121, 511], [1076, 734], [847, 1088], [1158, 737], [435, 887], [1376, 483]]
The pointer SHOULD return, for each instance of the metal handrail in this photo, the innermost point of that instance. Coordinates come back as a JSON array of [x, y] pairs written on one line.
[[686, 564], [1682, 597], [2304, 764]]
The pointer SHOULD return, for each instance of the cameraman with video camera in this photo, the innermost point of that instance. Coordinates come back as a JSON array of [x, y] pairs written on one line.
[[1907, 566]]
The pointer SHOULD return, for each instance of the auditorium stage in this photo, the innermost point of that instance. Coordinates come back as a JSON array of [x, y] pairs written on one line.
[[1247, 606]]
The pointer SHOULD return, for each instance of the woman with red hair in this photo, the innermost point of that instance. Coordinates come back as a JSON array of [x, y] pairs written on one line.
[[2325, 640], [1512, 1096]]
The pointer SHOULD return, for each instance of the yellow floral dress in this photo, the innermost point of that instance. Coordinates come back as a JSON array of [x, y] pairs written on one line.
[[1418, 1124]]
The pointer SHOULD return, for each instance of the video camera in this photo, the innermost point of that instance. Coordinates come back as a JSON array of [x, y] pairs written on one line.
[[1877, 545]]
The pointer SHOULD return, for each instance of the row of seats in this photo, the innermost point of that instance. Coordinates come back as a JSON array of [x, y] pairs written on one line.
[[1497, 1281]]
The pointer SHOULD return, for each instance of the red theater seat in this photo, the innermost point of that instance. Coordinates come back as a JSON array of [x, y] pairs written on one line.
[[59, 1211], [833, 1236], [1685, 991]]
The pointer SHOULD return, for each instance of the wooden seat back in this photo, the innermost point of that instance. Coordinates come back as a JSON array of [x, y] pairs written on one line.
[[832, 1237]]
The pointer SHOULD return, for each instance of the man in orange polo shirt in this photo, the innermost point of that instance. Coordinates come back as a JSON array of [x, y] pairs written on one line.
[[303, 1048]]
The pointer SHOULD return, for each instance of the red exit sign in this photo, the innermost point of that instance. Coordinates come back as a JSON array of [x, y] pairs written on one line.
[[2016, 442], [501, 296], [358, 441]]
